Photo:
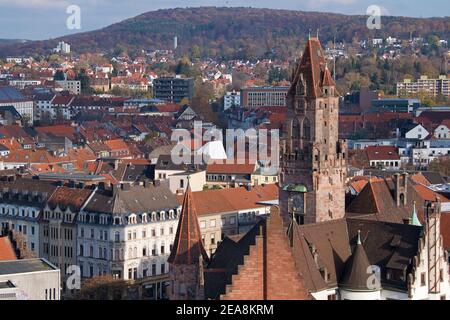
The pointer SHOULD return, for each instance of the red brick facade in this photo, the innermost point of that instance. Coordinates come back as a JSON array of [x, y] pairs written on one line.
[[269, 271]]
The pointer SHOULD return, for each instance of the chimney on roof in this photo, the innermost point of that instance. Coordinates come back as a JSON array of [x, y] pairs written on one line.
[[126, 186], [401, 189], [147, 183], [116, 164]]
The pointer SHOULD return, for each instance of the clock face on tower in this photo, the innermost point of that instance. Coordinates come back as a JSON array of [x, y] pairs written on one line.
[[297, 203]]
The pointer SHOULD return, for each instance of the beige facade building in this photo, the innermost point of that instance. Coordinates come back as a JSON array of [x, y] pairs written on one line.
[[424, 85]]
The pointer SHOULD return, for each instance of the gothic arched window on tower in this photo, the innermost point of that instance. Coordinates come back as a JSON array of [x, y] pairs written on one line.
[[306, 129], [295, 129], [300, 87]]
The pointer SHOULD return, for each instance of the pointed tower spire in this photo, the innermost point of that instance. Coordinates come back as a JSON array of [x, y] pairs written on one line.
[[414, 219], [355, 277], [327, 80], [188, 245]]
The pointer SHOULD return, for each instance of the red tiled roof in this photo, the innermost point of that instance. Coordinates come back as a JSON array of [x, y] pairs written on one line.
[[117, 144], [382, 153], [188, 244], [6, 250], [223, 168], [62, 100], [232, 199], [58, 130]]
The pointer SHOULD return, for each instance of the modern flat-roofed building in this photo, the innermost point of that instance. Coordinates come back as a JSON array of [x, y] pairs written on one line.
[[10, 96], [254, 97], [173, 89], [29, 279], [395, 105], [424, 85]]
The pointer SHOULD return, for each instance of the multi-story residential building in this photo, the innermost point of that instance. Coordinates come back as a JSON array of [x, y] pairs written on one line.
[[21, 205], [58, 232], [23, 83], [231, 99], [10, 96], [443, 130], [254, 97], [62, 47], [383, 157], [229, 175], [127, 231], [43, 107], [173, 89], [424, 85], [73, 86]]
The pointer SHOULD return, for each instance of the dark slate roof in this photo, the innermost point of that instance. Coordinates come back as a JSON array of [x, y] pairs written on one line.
[[356, 275], [8, 93], [11, 110], [26, 191], [433, 177], [139, 173], [24, 266], [138, 199], [326, 248]]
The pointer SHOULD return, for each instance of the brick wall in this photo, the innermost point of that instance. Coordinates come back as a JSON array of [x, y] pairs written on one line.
[[269, 271]]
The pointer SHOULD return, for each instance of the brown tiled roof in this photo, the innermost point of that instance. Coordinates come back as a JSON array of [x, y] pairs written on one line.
[[312, 66], [224, 168], [188, 244], [382, 153], [72, 198], [117, 144], [6, 250], [420, 178], [232, 199], [59, 130]]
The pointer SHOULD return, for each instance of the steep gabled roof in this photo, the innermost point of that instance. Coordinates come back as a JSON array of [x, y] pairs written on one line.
[[188, 245], [313, 69]]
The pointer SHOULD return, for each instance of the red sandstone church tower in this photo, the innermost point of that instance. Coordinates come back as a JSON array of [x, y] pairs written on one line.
[[187, 256], [313, 159]]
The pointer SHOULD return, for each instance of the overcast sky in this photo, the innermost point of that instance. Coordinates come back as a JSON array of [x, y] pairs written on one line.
[[43, 19]]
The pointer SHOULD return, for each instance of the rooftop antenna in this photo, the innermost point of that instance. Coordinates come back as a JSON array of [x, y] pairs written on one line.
[[334, 58]]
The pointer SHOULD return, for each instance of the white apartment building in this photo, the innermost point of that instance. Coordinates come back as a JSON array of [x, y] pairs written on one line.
[[73, 86], [231, 98], [127, 232], [21, 206], [62, 47]]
